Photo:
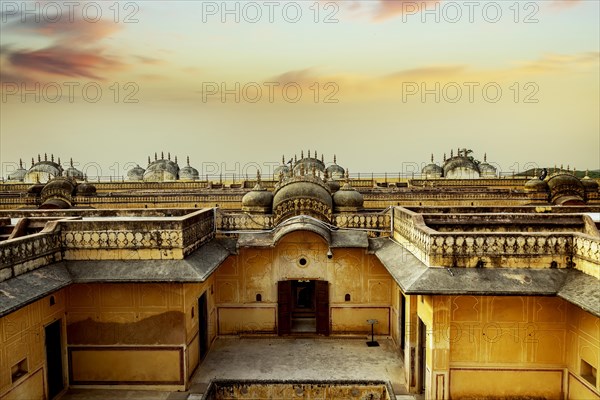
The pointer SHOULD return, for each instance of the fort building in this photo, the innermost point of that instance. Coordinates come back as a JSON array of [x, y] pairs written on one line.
[[487, 285]]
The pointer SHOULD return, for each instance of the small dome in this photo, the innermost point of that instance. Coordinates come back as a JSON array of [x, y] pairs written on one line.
[[43, 171], [189, 173], [258, 199], [302, 195], [487, 170], [460, 166], [334, 186], [73, 172], [19, 174], [335, 171], [309, 163], [347, 199], [136, 173], [432, 170], [566, 187], [35, 189], [86, 189], [536, 185], [282, 169], [63, 184], [589, 184], [162, 169]]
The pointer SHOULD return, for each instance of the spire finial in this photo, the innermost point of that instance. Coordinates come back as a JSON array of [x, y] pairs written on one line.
[[432, 158], [20, 163], [39, 158], [316, 156], [52, 157], [258, 179], [322, 158], [283, 159], [155, 156], [71, 162], [188, 161], [32, 161], [451, 153], [59, 161], [169, 156], [484, 157], [295, 159], [334, 159], [162, 155], [309, 154], [587, 173], [148, 160], [175, 159], [45, 156], [301, 154], [444, 157]]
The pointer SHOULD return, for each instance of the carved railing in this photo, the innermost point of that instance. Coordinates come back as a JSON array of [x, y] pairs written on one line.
[[243, 221], [369, 221], [20, 255], [493, 249]]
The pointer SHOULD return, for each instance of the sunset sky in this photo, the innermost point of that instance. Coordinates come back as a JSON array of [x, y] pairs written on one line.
[[382, 84]]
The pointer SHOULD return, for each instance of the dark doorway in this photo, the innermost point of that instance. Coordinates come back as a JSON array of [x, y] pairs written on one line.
[[402, 320], [54, 373], [303, 307], [304, 316], [422, 356], [203, 325]]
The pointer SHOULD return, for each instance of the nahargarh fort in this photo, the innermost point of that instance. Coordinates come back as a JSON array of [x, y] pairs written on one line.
[[477, 285]]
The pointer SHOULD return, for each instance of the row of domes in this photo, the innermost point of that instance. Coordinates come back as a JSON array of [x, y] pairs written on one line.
[[561, 187], [461, 166], [305, 187], [44, 170], [163, 169]]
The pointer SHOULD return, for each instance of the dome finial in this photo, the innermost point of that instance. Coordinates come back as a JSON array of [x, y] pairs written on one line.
[[162, 155], [451, 153], [444, 157], [322, 158], [52, 157], [587, 173], [309, 154], [283, 159], [295, 158], [155, 156], [20, 163], [71, 162], [258, 179], [484, 157], [45, 156], [188, 161], [59, 161], [316, 156], [301, 154], [32, 161], [334, 159], [175, 159], [169, 156], [148, 160], [432, 158]]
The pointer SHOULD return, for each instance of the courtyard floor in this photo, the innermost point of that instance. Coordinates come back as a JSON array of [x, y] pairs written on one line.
[[275, 358]]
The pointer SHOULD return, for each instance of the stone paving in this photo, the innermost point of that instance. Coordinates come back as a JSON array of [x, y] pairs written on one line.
[[275, 358]]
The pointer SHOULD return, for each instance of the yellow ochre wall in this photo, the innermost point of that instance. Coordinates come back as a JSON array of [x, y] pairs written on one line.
[[256, 271], [22, 337], [140, 334], [497, 347]]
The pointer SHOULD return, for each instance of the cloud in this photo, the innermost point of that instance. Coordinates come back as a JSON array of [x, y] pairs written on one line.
[[560, 62], [74, 48], [561, 4], [392, 8], [63, 61]]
